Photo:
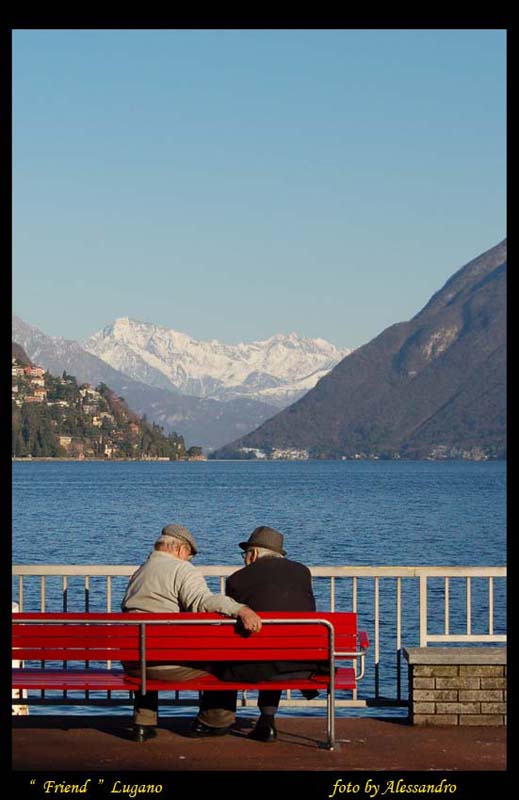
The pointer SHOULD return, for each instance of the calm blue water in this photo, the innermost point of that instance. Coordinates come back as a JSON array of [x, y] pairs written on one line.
[[376, 512], [331, 513]]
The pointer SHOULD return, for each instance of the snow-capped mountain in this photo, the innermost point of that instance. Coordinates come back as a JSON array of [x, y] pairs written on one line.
[[278, 370], [204, 422]]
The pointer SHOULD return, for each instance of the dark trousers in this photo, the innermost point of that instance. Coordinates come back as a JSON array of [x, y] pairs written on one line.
[[218, 709]]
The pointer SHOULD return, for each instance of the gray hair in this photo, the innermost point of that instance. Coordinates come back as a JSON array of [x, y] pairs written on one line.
[[168, 543], [264, 551]]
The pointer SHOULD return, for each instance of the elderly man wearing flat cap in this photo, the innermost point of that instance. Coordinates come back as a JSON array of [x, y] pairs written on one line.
[[168, 582], [268, 582]]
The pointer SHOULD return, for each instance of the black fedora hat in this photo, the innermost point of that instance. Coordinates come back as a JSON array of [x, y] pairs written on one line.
[[265, 537]]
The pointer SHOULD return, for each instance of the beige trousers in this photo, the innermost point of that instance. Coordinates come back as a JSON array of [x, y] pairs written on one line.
[[145, 708]]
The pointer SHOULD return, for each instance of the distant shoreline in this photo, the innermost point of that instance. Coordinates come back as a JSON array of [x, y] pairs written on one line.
[[240, 460], [105, 460]]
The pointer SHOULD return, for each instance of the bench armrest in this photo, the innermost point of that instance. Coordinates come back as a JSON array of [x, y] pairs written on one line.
[[363, 640]]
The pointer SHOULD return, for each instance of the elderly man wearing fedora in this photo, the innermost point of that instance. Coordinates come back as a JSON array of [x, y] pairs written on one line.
[[268, 582], [168, 582]]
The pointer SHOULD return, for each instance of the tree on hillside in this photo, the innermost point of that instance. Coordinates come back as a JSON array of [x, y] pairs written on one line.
[[34, 435]]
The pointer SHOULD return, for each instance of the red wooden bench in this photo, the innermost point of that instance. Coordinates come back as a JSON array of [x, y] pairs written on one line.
[[71, 639]]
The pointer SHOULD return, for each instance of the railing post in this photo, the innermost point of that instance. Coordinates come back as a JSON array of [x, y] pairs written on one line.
[[399, 639], [447, 607], [469, 606], [490, 606], [377, 635], [423, 610]]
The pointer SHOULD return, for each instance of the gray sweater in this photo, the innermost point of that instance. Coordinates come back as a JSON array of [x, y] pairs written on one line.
[[165, 584]]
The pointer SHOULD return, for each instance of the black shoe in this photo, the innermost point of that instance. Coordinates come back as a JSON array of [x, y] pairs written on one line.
[[265, 731], [199, 730], [309, 694], [141, 733]]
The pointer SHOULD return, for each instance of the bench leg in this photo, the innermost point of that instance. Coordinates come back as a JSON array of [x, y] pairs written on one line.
[[330, 722]]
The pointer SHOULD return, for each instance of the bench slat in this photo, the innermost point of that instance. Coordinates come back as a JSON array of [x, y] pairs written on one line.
[[116, 680], [337, 617], [104, 639], [130, 635], [344, 623], [175, 656], [130, 638]]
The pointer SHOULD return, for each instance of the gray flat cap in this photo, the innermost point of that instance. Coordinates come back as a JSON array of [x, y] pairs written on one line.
[[180, 532]]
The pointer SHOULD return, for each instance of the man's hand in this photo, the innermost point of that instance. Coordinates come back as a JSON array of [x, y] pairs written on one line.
[[249, 619]]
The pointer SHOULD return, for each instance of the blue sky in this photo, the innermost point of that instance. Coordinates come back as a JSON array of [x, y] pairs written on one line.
[[234, 184]]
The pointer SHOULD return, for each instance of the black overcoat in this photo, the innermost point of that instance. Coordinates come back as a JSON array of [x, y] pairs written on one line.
[[271, 584]]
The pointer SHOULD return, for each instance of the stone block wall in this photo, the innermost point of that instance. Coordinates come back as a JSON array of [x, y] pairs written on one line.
[[457, 685]]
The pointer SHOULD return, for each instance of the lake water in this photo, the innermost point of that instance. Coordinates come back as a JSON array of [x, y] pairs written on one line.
[[331, 513]]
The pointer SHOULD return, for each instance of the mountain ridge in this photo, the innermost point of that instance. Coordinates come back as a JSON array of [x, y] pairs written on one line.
[[276, 370], [435, 383]]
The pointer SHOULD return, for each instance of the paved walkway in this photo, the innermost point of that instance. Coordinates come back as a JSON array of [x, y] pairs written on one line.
[[99, 743]]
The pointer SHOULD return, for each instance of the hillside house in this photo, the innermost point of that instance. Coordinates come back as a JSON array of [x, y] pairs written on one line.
[[255, 450], [289, 454], [87, 391], [34, 372]]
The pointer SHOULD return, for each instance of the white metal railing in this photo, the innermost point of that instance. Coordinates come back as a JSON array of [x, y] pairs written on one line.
[[397, 605]]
